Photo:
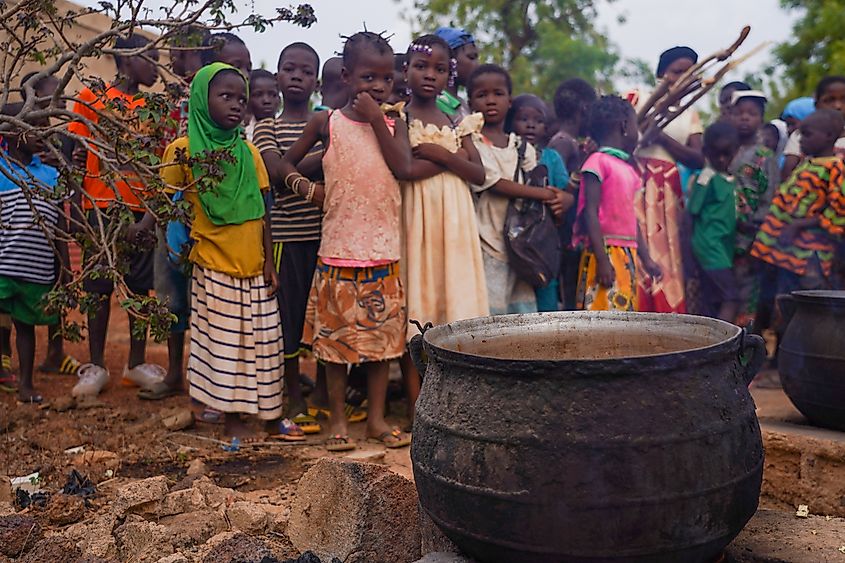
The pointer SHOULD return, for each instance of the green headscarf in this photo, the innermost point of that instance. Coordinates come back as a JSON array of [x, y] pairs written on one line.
[[237, 198]]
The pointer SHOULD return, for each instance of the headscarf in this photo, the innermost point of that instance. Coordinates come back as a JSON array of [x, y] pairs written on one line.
[[799, 108], [669, 56], [456, 37], [236, 198]]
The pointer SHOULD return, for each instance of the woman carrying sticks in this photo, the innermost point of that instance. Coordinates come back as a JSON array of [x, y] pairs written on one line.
[[660, 209]]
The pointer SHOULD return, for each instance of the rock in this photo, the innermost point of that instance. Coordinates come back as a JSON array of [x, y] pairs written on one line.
[[366, 456], [194, 528], [215, 496], [103, 458], [175, 558], [63, 403], [444, 557], [64, 509], [247, 517], [196, 467], [141, 496], [56, 548], [237, 547], [18, 534], [6, 492], [179, 502], [356, 512], [142, 541], [95, 538], [432, 539], [177, 419]]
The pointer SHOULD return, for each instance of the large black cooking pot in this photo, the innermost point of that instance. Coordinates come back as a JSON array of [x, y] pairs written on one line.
[[811, 359], [586, 437]]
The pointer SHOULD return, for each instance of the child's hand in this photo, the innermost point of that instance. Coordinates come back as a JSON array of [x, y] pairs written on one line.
[[365, 106], [604, 271], [652, 268], [561, 202], [271, 278], [431, 152]]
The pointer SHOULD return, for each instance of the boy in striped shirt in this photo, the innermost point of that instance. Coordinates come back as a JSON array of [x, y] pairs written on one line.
[[29, 219]]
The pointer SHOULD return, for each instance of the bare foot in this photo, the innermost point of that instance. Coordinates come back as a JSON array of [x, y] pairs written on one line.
[[234, 427], [28, 395]]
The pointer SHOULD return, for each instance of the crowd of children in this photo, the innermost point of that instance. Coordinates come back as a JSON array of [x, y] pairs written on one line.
[[333, 226]]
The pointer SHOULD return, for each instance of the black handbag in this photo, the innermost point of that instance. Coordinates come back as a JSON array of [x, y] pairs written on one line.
[[531, 237]]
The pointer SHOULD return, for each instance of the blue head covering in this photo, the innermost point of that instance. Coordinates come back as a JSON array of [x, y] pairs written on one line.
[[456, 37], [799, 108]]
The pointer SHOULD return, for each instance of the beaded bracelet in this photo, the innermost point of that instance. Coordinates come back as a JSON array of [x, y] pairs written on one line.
[[312, 187]]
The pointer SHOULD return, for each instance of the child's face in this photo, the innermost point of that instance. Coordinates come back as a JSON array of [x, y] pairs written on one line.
[[833, 98], [263, 98], [771, 138], [428, 74], [792, 123], [816, 139], [46, 89], [237, 55], [747, 117], [142, 68], [372, 73], [490, 96], [467, 59], [400, 89], [227, 99], [334, 91], [675, 70], [721, 153], [185, 64], [297, 76], [530, 124]]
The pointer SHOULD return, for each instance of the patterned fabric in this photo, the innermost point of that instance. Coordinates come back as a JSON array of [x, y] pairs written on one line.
[[356, 315], [292, 218], [442, 268], [756, 171], [815, 190], [363, 204], [622, 295], [235, 363], [27, 221], [659, 211]]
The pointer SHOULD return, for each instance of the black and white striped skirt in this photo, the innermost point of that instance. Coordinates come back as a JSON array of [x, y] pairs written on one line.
[[236, 360]]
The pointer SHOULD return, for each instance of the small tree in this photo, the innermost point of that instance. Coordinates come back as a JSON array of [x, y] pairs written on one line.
[[38, 31]]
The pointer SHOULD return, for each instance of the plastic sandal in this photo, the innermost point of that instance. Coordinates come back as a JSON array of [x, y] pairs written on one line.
[[392, 439], [68, 366], [339, 443], [288, 431], [307, 423]]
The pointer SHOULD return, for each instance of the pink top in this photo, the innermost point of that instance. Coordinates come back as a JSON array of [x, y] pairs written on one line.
[[363, 204], [620, 183]]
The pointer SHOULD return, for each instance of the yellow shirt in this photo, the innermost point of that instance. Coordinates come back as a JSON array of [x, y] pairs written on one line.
[[235, 250]]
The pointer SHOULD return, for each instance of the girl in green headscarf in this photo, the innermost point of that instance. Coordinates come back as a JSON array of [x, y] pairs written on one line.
[[236, 356]]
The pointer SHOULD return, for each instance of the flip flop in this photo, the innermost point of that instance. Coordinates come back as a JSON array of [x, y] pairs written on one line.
[[287, 431], [339, 443], [307, 423], [353, 414], [68, 366], [392, 439], [158, 391]]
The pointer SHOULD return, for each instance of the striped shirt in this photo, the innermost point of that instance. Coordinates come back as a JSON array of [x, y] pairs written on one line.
[[25, 250], [292, 219]]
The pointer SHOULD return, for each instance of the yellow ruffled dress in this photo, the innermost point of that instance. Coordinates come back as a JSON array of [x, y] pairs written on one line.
[[442, 267]]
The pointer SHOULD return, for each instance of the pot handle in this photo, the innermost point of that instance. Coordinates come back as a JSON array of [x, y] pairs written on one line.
[[416, 349], [752, 355]]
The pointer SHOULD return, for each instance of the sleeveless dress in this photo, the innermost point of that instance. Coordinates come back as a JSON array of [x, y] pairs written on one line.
[[443, 271]]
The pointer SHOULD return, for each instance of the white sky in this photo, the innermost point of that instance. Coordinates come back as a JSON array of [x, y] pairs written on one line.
[[651, 25]]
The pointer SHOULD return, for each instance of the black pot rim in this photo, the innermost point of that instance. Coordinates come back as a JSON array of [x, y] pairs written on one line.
[[725, 349], [827, 297]]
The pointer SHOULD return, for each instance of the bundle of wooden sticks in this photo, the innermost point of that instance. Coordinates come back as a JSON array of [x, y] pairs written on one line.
[[668, 101]]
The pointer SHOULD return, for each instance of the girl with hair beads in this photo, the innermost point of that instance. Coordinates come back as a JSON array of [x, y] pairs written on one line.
[[235, 363], [443, 271], [607, 220], [489, 88], [529, 118], [356, 310]]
